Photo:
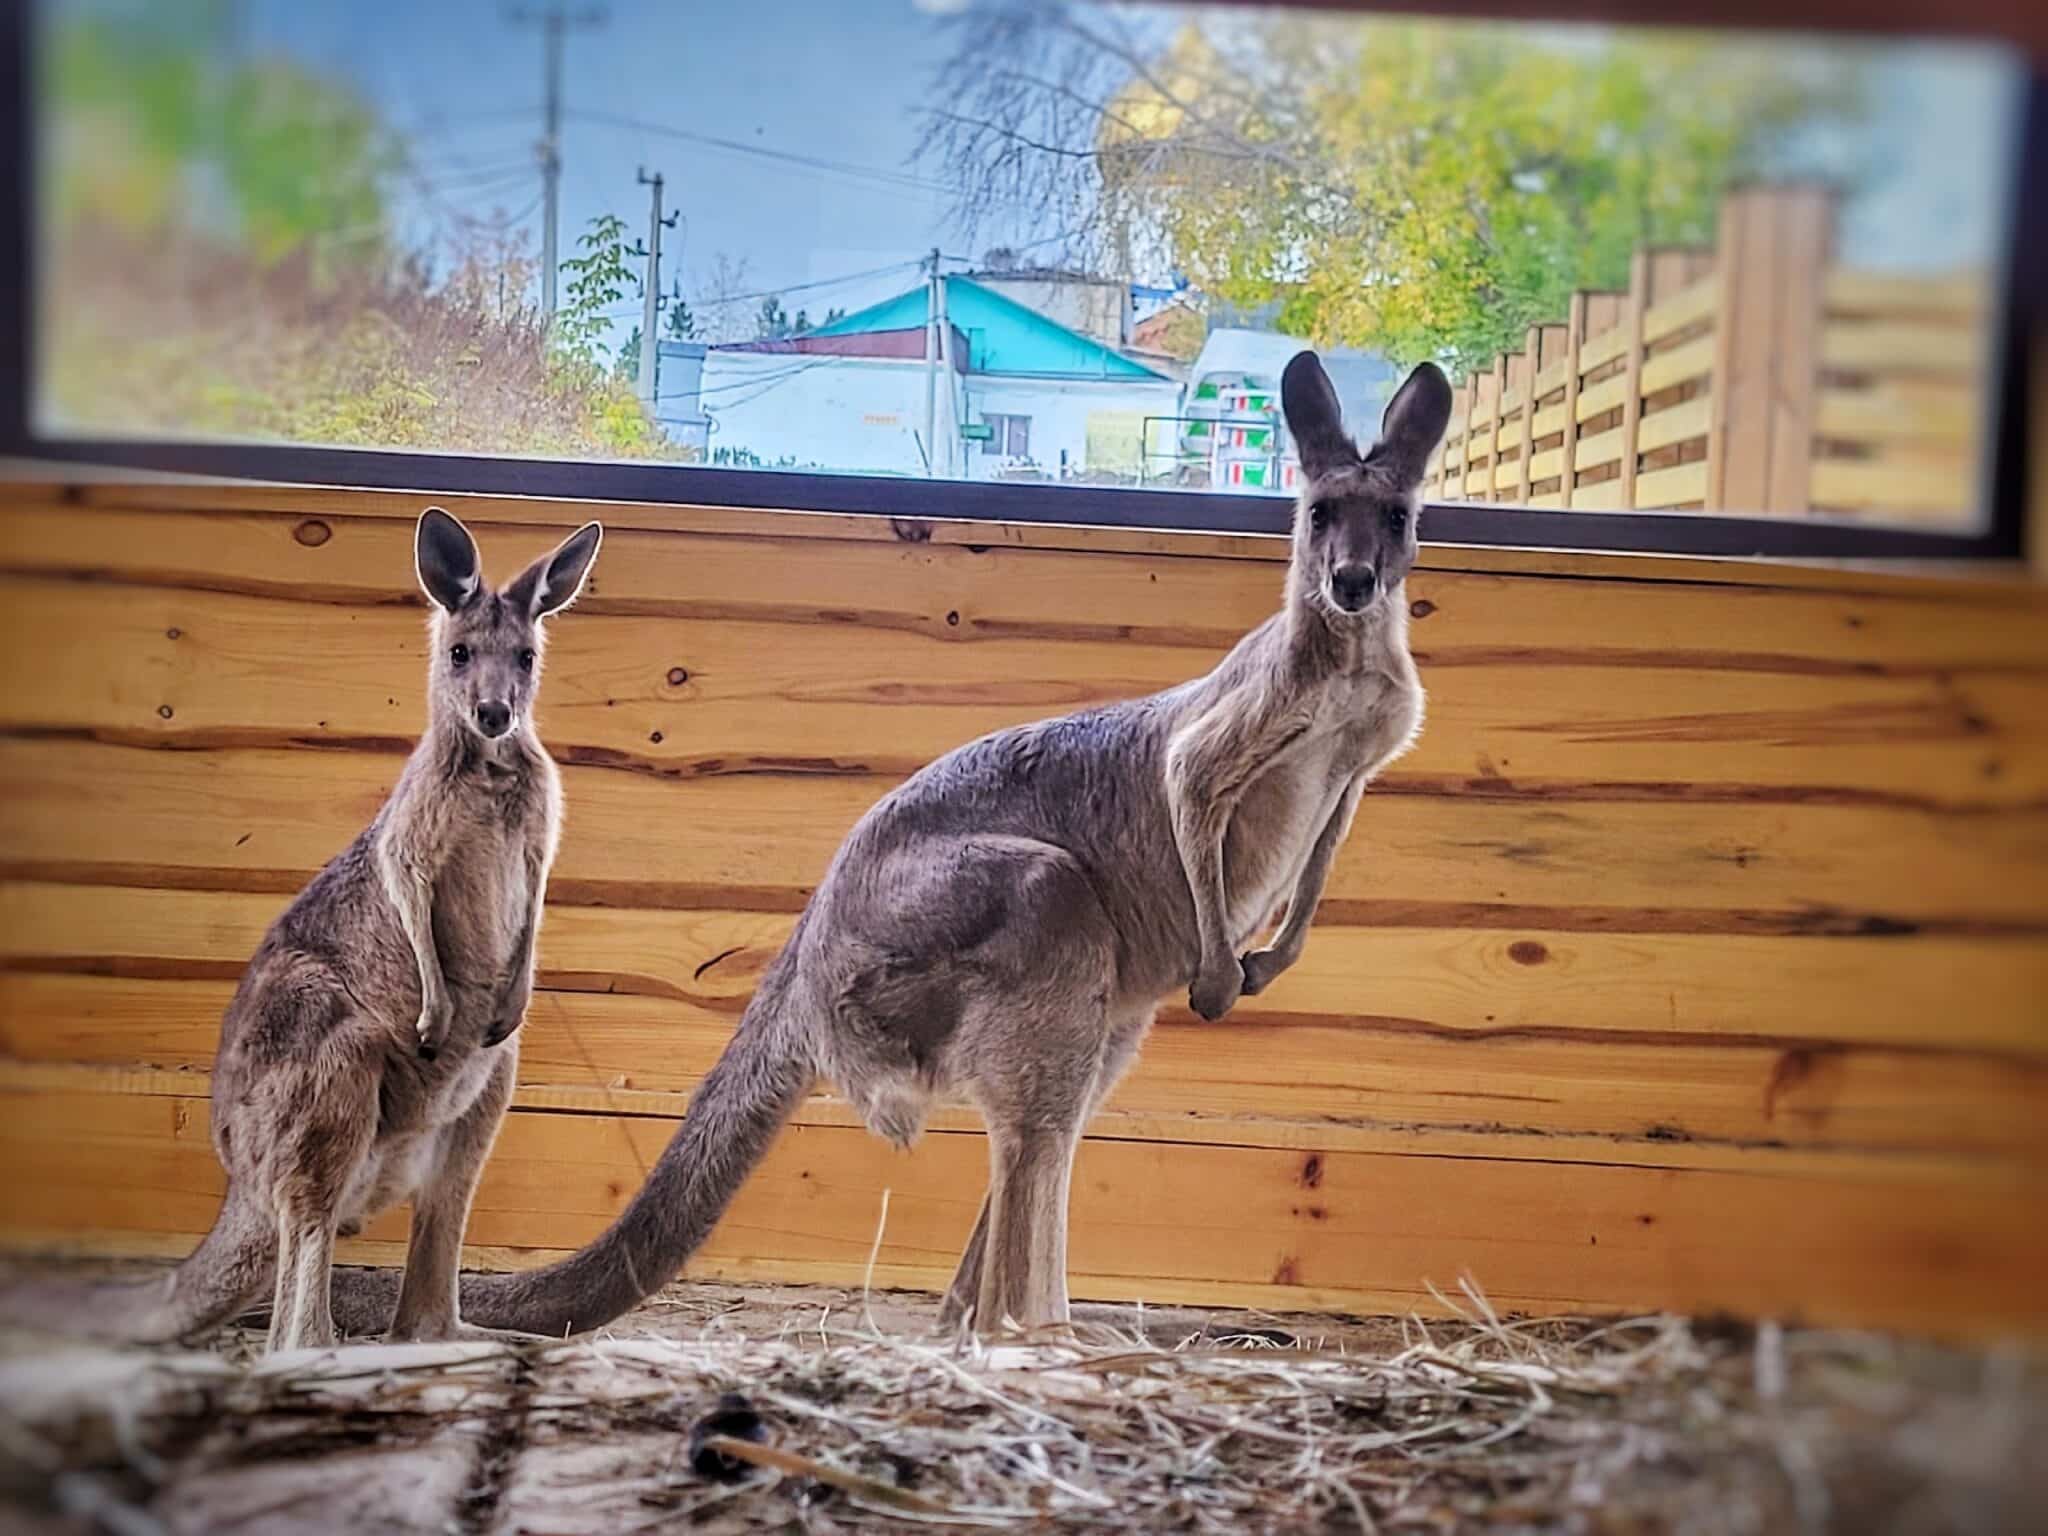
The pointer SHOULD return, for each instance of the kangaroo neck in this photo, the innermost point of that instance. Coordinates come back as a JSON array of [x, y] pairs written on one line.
[[1321, 644], [456, 753]]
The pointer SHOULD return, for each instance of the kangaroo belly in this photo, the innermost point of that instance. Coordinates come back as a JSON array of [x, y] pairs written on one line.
[[1275, 825], [479, 913]]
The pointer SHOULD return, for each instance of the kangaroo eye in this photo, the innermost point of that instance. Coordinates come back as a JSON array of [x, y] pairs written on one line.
[[459, 655], [526, 661], [1397, 518], [1319, 516]]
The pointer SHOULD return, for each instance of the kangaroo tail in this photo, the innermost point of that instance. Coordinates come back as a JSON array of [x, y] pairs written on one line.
[[735, 1114], [231, 1266]]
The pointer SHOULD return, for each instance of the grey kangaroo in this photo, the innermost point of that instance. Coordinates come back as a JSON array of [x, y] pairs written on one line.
[[1004, 923], [368, 1055]]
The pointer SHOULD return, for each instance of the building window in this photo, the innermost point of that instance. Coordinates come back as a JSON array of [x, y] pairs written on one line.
[[1009, 436], [1730, 275]]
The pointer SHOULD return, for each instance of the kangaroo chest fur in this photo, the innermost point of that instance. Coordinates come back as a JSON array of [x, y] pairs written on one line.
[[480, 893], [1348, 728]]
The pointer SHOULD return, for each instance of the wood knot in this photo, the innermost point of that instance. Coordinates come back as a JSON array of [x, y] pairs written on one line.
[[910, 530], [1527, 952], [164, 711], [1312, 1171], [953, 617], [1287, 1273], [655, 737], [173, 632], [677, 676], [312, 533], [1421, 608]]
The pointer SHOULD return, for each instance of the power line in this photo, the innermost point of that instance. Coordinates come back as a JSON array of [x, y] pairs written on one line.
[[901, 180]]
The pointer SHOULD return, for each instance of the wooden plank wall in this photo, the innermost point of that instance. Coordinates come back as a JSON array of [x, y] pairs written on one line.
[[1696, 958]]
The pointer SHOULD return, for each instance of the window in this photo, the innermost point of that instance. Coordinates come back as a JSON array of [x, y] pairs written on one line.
[[1009, 437], [1677, 279]]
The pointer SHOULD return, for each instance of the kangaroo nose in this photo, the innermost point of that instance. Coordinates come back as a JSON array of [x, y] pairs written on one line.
[[1353, 585], [493, 718]]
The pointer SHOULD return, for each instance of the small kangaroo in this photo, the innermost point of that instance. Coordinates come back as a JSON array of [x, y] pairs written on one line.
[[1004, 923], [368, 1055]]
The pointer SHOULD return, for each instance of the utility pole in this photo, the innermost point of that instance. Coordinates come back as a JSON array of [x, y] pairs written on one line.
[[651, 289], [947, 427], [931, 361], [555, 22]]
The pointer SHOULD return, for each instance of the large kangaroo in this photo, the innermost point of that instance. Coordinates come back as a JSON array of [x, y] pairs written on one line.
[[1005, 922], [367, 1057]]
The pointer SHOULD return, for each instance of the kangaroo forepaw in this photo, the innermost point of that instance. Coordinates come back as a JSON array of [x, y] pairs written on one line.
[[1215, 990], [505, 1021], [1262, 967]]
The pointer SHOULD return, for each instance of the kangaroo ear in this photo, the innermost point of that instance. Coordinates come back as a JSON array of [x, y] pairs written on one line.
[[1314, 417], [446, 562], [1414, 424], [551, 583]]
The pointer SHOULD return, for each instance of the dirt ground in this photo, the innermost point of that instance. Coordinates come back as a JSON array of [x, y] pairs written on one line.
[[721, 1409]]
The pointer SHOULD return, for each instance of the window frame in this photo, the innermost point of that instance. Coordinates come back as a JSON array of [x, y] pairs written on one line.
[[2019, 330]]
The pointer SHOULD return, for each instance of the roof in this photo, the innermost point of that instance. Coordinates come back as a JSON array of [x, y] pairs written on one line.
[[905, 343], [1003, 336]]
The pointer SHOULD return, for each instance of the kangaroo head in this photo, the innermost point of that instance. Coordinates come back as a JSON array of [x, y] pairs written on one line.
[[484, 667], [1354, 525]]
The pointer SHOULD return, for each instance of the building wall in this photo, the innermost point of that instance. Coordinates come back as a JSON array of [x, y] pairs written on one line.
[[1695, 958], [1063, 414], [850, 414]]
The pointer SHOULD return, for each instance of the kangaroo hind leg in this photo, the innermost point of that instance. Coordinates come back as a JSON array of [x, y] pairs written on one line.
[[428, 1304]]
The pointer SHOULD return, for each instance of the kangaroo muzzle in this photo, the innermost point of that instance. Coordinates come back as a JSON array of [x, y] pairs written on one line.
[[1352, 587]]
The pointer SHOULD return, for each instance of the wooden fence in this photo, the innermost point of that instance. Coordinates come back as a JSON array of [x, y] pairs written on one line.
[[1694, 958], [1754, 378]]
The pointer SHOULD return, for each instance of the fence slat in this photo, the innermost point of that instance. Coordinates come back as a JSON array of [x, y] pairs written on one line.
[[1575, 333], [1530, 360], [1632, 373], [1805, 219]]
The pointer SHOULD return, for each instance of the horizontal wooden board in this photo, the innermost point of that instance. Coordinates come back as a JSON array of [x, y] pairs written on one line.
[[1668, 1097], [266, 819], [1598, 399], [962, 593], [1680, 485], [1603, 448], [696, 697], [1851, 291], [1480, 983], [1601, 348], [1687, 307], [1941, 486], [1693, 360], [1359, 1231], [1680, 423], [1901, 411], [2003, 583], [1858, 346]]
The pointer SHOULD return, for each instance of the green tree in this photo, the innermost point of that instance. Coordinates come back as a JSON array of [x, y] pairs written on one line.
[[598, 279], [833, 316], [628, 365], [1424, 188], [160, 123], [682, 325]]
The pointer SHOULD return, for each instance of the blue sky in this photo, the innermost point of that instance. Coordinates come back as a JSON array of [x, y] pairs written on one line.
[[826, 93]]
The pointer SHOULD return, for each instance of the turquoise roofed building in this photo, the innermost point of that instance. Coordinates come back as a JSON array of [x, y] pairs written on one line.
[[1013, 394]]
